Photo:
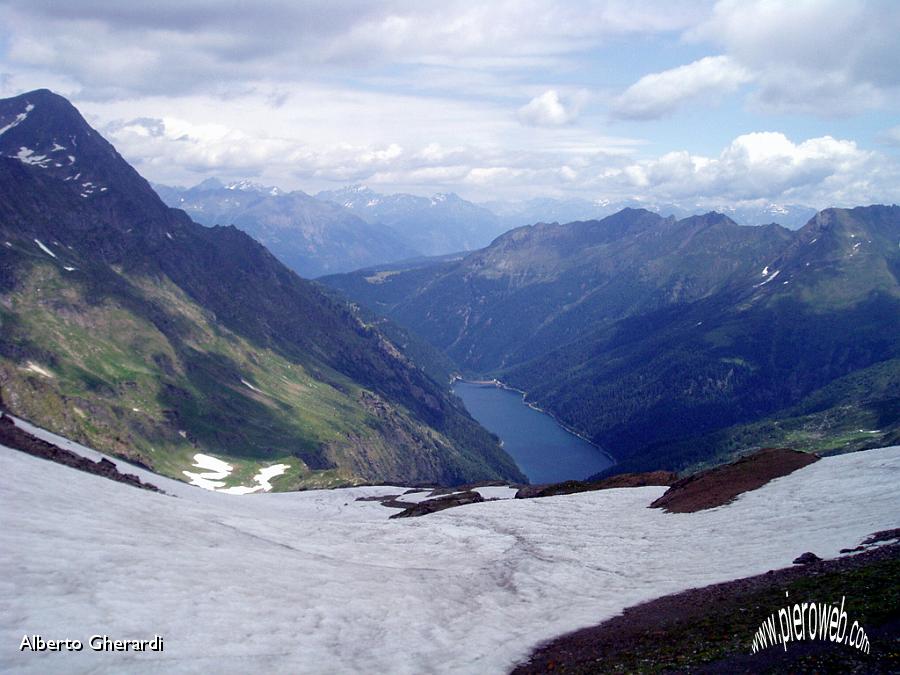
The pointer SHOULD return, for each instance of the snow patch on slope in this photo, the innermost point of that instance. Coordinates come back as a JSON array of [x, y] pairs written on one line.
[[217, 471], [32, 367], [21, 117], [44, 248], [27, 156], [250, 386]]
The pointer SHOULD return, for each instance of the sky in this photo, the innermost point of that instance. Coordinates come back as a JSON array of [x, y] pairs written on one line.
[[730, 102]]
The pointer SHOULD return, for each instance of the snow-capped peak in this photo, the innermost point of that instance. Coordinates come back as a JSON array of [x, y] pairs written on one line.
[[252, 186]]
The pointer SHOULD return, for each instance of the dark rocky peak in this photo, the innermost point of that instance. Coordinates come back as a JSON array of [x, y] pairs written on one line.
[[833, 230], [46, 133], [63, 182], [710, 219]]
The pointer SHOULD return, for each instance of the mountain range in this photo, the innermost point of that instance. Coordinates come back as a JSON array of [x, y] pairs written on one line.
[[310, 236], [355, 227], [128, 326], [436, 225], [675, 341], [549, 210]]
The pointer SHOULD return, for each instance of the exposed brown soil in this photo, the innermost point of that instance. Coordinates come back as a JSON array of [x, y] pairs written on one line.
[[722, 484], [619, 481], [19, 439], [710, 629]]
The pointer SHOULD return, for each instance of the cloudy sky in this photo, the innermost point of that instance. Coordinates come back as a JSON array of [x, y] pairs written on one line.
[[715, 102]]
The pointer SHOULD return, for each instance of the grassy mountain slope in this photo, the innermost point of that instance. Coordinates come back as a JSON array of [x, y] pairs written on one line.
[[111, 301]]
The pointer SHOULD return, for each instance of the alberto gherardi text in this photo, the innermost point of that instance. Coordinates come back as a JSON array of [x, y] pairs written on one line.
[[97, 643]]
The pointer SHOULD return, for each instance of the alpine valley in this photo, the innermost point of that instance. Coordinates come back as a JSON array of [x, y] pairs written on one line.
[[129, 327], [673, 343]]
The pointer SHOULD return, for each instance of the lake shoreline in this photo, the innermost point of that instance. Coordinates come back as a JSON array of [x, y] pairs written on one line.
[[494, 382]]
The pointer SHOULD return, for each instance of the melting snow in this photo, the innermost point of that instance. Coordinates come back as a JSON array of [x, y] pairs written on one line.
[[262, 480], [497, 492], [212, 479], [218, 471], [32, 367], [44, 248], [269, 472], [247, 384], [470, 589], [68, 269], [57, 147], [27, 156], [424, 496], [774, 274], [765, 271], [18, 120]]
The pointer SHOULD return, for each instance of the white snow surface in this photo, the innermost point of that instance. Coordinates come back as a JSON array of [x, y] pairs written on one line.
[[21, 117], [27, 156], [497, 492], [217, 470], [250, 386], [262, 480], [774, 274], [31, 366], [44, 248], [318, 582]]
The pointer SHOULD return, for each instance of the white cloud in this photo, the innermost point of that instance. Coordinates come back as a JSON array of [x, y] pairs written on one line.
[[547, 110], [819, 171], [829, 57], [421, 97], [114, 49], [766, 165], [658, 94]]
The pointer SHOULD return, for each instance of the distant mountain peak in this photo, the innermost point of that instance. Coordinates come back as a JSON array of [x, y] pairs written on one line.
[[209, 184], [251, 186], [244, 185]]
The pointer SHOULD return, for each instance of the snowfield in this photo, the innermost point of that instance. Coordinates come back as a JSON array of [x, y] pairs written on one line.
[[319, 582]]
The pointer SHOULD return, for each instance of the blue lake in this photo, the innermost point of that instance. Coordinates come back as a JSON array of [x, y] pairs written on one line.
[[544, 451]]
